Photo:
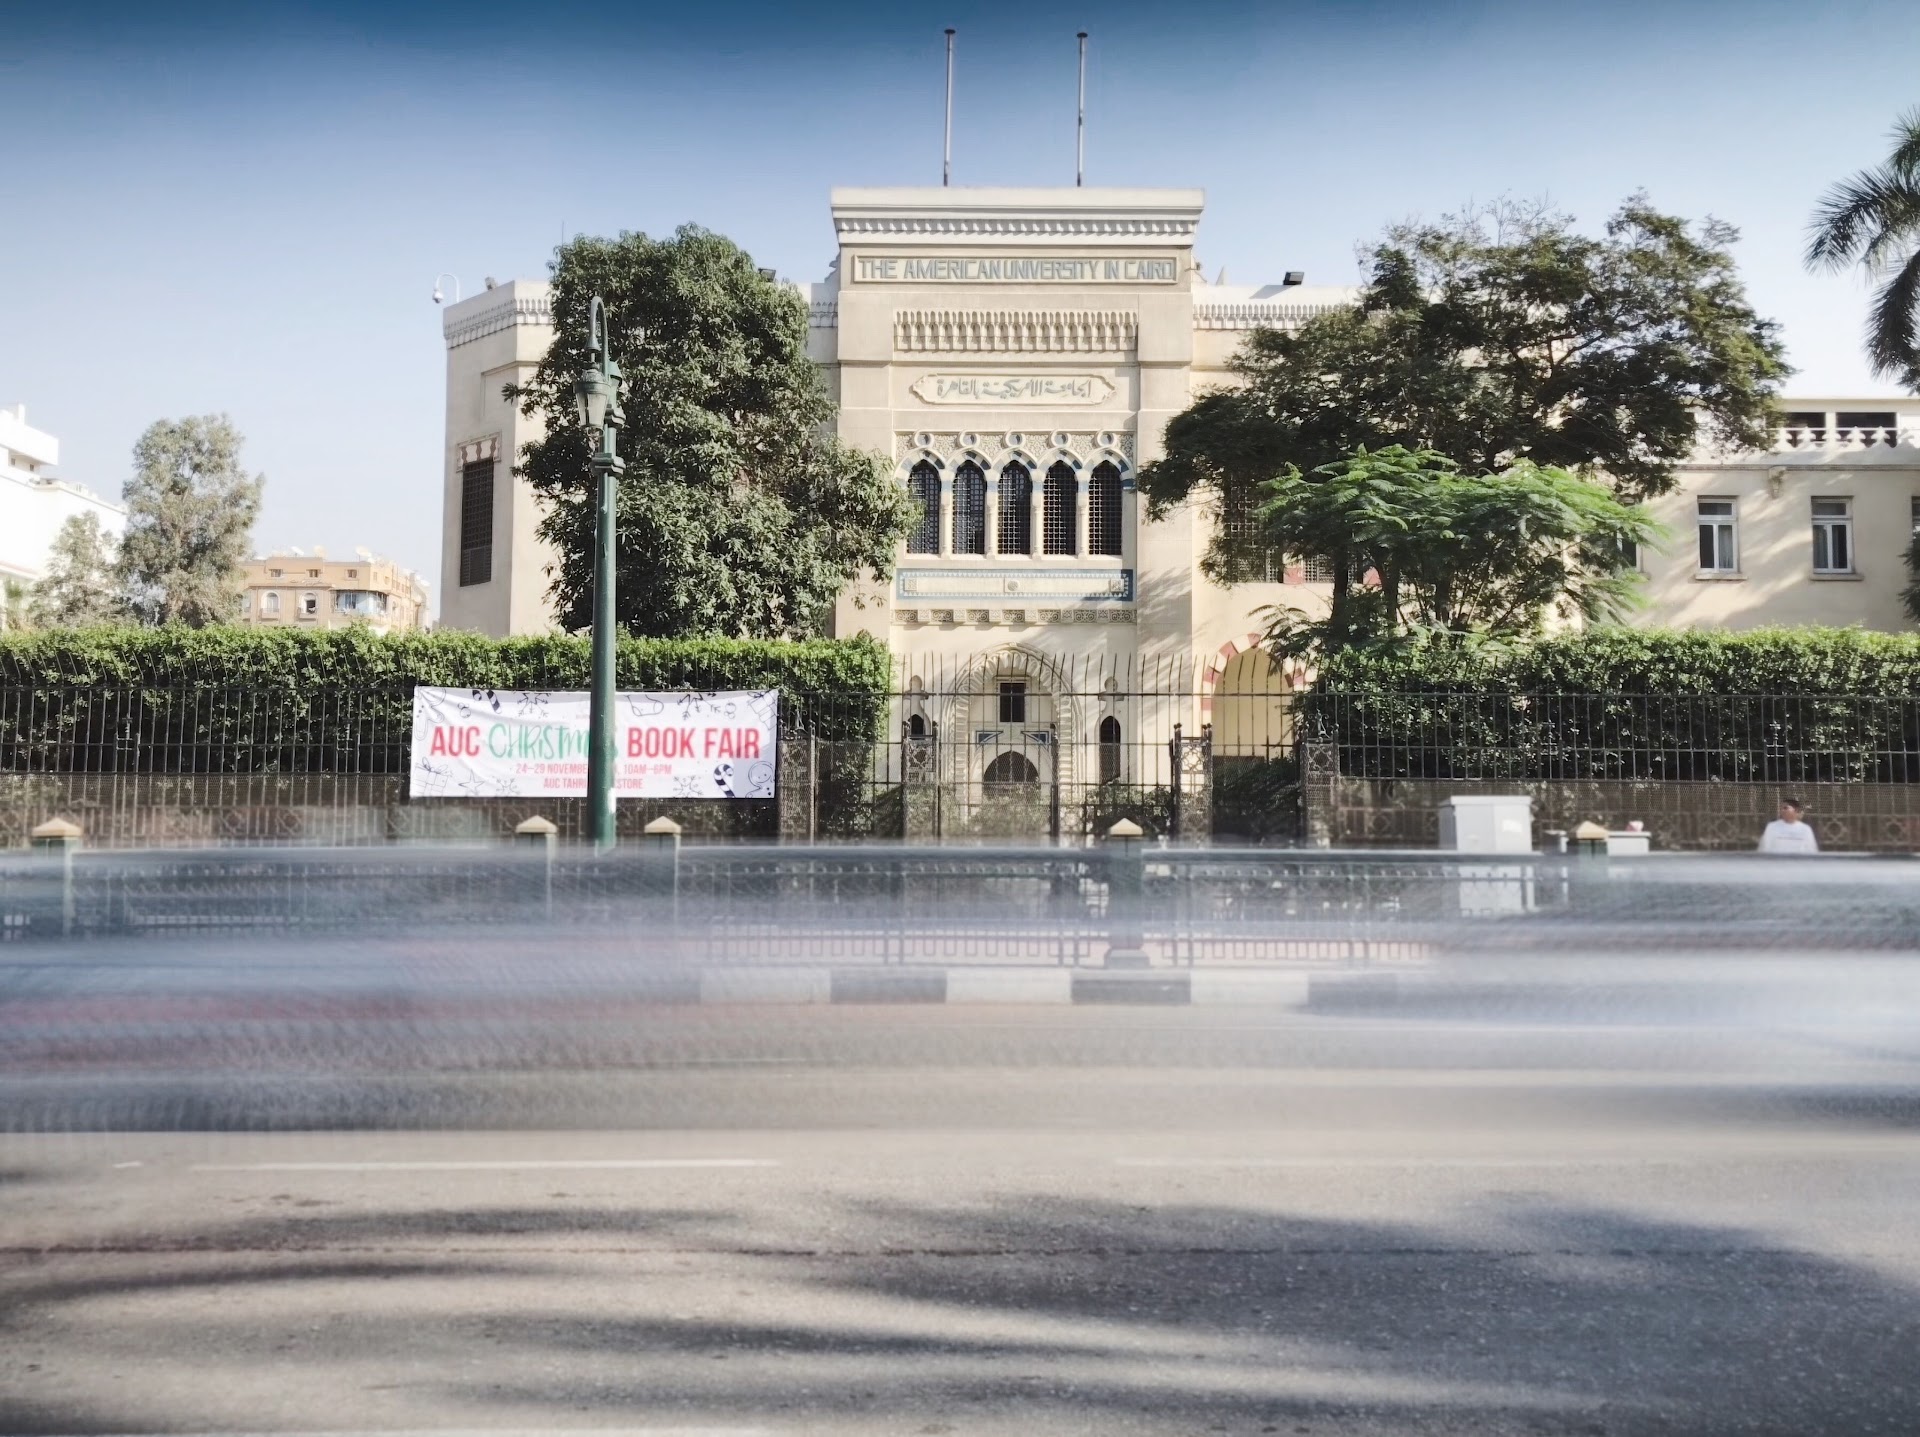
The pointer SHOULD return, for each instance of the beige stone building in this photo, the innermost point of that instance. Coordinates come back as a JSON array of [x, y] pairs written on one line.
[[1016, 355], [307, 590]]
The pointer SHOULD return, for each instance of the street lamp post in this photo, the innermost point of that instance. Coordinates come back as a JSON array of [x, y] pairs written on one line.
[[596, 395]]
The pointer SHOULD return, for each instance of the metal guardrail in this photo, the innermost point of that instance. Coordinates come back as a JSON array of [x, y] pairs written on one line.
[[1117, 903]]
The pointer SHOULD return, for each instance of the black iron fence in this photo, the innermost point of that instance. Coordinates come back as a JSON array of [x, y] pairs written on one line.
[[1687, 738], [1013, 746]]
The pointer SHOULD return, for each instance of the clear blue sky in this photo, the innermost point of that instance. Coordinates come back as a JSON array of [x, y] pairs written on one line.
[[243, 207]]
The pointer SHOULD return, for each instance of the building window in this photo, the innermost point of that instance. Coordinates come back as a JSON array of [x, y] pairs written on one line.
[[917, 726], [1806, 426], [1719, 551], [923, 487], [309, 605], [1103, 511], [1010, 771], [1059, 496], [476, 522], [270, 602], [1109, 749], [275, 573], [1013, 701], [969, 509], [1253, 561], [1869, 426], [1015, 531], [1833, 536], [1318, 568], [1913, 512]]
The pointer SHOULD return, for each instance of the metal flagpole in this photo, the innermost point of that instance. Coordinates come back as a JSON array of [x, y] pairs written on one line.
[[1080, 129], [946, 152]]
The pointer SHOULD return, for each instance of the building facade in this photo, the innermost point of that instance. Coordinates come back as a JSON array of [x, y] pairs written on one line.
[[34, 504], [301, 590], [1016, 354]]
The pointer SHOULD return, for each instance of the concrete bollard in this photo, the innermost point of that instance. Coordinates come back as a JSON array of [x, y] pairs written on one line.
[[660, 842], [1126, 884], [540, 836], [60, 837]]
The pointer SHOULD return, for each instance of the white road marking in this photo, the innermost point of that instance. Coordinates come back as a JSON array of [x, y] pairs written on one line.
[[501, 1165], [126, 1165]]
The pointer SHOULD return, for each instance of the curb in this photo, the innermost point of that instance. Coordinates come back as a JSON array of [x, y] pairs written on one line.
[[1197, 988]]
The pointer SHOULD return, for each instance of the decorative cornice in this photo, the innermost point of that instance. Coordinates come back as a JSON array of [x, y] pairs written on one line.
[[1064, 331], [1035, 217], [1257, 314], [518, 311], [1015, 226], [823, 314]]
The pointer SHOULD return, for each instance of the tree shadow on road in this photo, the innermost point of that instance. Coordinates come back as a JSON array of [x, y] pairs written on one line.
[[1078, 1315]]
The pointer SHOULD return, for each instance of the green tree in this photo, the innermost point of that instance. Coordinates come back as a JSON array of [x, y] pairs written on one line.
[[1873, 219], [1492, 337], [78, 588], [1419, 546], [741, 514], [190, 512]]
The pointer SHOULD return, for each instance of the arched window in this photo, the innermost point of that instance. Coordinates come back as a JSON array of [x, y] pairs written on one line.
[[1109, 749], [1103, 511], [917, 726], [1062, 489], [1015, 534], [969, 509], [1010, 771], [923, 487]]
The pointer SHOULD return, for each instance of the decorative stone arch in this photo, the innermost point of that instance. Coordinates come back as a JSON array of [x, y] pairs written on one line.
[[1016, 661], [1295, 673]]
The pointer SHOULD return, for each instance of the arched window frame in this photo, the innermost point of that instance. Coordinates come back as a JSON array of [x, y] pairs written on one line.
[[1110, 749], [1106, 508], [1014, 526], [923, 486], [970, 508], [1060, 502]]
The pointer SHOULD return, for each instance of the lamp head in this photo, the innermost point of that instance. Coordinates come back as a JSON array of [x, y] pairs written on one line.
[[436, 292], [593, 394]]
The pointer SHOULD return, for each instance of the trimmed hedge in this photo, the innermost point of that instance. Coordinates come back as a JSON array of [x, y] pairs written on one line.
[[235, 700], [1770, 705]]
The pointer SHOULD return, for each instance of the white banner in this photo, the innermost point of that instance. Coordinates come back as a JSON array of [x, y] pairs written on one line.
[[509, 743]]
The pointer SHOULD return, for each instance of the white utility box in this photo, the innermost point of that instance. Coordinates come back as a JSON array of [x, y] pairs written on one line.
[[1494, 823]]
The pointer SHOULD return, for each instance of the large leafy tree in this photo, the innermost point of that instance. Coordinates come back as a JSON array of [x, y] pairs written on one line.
[[741, 513], [79, 587], [1493, 337], [1419, 546], [190, 513], [1873, 220]]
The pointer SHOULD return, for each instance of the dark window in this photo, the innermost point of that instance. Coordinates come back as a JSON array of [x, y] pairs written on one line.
[[969, 509], [1015, 534], [923, 487], [476, 522], [1806, 426], [1013, 701], [1869, 426], [1109, 749], [1061, 491], [1252, 560], [917, 726], [1011, 770], [1103, 511]]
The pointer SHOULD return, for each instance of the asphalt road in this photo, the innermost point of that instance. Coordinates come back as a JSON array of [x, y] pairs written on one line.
[[1010, 1221]]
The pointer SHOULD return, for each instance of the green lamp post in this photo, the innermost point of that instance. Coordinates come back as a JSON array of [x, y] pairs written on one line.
[[596, 396]]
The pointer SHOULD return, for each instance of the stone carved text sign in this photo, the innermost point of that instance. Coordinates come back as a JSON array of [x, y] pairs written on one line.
[[1011, 389], [1014, 269]]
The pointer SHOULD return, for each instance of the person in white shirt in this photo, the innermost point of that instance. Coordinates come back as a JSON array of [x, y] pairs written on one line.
[[1787, 834]]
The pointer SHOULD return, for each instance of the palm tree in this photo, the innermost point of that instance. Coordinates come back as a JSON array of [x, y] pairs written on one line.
[[1873, 219]]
